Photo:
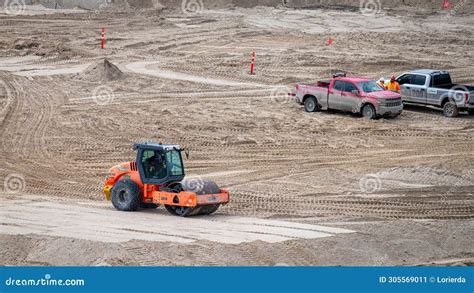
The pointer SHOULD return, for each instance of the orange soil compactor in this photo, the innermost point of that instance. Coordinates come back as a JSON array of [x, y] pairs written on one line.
[[157, 177]]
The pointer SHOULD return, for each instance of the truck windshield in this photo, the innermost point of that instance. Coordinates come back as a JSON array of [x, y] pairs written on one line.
[[369, 86], [174, 162]]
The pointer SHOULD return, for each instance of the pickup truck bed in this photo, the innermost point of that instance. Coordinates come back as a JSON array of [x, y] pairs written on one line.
[[455, 85]]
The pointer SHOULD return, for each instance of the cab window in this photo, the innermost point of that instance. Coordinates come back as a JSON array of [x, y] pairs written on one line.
[[441, 79], [349, 87], [154, 164], [370, 87], [419, 79], [338, 85], [174, 163], [404, 79]]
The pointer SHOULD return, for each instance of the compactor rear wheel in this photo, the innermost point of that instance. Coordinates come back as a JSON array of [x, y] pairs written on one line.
[[126, 195]]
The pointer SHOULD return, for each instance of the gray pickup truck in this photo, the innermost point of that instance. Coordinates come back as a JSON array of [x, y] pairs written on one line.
[[435, 87]]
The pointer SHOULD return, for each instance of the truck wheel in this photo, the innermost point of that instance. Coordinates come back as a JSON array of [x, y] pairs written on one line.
[[126, 195], [450, 110], [368, 111], [310, 104]]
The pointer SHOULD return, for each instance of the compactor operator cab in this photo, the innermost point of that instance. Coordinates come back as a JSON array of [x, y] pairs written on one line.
[[159, 164]]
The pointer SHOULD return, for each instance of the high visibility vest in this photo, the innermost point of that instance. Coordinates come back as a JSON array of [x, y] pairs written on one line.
[[393, 86], [382, 85]]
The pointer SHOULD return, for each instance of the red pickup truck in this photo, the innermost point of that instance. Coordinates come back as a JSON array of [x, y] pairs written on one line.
[[354, 94]]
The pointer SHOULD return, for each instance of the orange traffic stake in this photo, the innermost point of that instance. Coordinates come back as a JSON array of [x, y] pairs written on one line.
[[102, 39], [252, 64]]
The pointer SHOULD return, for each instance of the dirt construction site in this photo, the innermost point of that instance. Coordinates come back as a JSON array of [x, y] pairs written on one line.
[[306, 189]]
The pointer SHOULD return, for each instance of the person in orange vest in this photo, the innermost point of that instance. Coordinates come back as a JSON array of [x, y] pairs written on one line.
[[393, 85], [381, 83]]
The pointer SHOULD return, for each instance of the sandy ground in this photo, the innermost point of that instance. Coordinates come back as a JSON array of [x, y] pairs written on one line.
[[307, 189]]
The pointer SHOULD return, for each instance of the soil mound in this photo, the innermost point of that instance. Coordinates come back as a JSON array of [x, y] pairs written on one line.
[[101, 71]]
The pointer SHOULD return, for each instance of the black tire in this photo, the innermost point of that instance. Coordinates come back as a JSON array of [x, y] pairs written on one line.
[[126, 195], [148, 206], [182, 211], [311, 104], [187, 212], [450, 110], [209, 209], [368, 111]]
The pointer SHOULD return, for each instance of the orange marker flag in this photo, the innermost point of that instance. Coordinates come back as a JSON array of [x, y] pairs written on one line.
[[329, 41]]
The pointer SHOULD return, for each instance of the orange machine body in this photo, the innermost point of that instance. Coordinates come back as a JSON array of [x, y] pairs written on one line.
[[151, 193]]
